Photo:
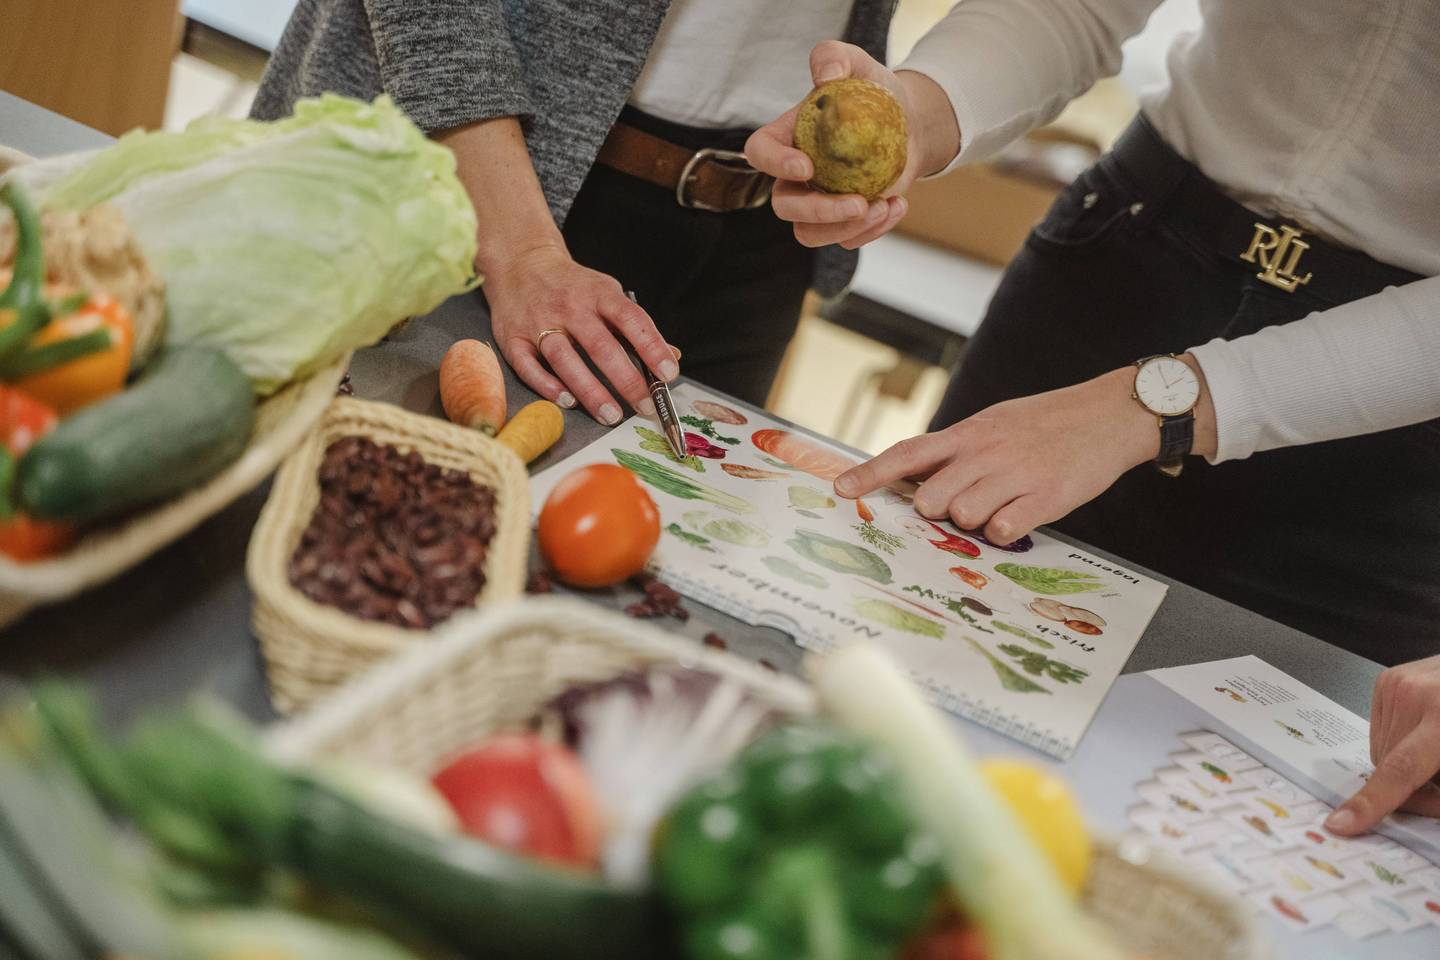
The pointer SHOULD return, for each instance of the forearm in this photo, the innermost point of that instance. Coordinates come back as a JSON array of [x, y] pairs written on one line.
[[938, 132], [448, 62], [494, 165], [1366, 366], [1008, 66]]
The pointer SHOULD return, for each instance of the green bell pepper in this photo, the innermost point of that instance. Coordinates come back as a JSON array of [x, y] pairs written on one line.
[[801, 849]]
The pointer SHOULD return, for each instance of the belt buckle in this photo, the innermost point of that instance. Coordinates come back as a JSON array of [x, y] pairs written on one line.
[[1277, 253], [730, 158]]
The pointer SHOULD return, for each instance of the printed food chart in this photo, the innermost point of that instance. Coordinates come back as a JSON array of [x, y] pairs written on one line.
[[1256, 833], [1025, 639]]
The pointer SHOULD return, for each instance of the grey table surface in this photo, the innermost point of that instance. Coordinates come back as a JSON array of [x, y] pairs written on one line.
[[180, 622]]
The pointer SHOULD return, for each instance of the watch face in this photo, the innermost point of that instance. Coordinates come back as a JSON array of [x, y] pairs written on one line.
[[1167, 386]]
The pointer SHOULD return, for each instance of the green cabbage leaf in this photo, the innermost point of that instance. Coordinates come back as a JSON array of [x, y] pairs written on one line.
[[284, 244]]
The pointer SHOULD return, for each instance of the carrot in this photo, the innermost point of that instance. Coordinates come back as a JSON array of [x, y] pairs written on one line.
[[472, 388], [863, 510], [533, 430]]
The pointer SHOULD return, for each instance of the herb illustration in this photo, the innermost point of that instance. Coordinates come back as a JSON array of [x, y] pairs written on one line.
[[707, 427], [1009, 678], [776, 463], [652, 442], [1037, 664], [957, 607], [793, 571], [877, 538], [1023, 634], [693, 539], [890, 615]]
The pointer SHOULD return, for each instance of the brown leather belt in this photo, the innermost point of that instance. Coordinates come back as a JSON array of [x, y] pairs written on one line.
[[720, 181]]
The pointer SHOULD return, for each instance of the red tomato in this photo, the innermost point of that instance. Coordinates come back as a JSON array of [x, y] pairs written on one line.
[[598, 526], [523, 793]]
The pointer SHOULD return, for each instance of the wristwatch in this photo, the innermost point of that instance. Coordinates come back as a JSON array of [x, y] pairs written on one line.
[[1167, 387]]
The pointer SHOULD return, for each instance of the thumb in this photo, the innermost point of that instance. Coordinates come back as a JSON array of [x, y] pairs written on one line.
[[833, 60]]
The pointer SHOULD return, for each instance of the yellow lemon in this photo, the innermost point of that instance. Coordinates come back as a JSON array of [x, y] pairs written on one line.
[[1047, 809]]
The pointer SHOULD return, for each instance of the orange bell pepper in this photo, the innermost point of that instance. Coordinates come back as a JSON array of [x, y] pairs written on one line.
[[103, 325]]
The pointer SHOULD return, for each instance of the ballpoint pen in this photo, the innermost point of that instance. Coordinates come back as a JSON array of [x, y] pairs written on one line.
[[660, 396]]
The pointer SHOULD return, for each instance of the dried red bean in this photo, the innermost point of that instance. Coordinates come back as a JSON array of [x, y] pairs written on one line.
[[716, 641], [393, 538], [540, 582]]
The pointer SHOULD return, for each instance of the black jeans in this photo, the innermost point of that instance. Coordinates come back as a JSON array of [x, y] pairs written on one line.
[[1339, 539], [726, 288]]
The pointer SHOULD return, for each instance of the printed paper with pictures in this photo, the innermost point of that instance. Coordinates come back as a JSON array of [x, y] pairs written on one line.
[[1025, 639], [1261, 836]]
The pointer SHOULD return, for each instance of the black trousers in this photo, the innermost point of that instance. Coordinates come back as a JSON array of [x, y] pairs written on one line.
[[1141, 256], [726, 288]]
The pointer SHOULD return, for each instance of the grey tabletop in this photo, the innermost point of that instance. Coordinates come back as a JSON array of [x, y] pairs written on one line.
[[180, 622]]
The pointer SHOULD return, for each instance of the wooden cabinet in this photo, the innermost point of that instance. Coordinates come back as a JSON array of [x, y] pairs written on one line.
[[105, 63]]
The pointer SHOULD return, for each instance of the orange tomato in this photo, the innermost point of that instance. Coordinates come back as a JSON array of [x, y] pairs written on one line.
[[598, 526], [95, 376]]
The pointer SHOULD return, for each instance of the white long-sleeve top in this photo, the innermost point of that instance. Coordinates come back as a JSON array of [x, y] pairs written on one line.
[[1326, 112]]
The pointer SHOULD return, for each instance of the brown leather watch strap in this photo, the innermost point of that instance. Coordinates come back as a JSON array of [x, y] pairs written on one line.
[[715, 180]]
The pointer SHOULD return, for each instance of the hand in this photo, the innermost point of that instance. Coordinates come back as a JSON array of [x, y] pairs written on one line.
[[1404, 746], [542, 288], [848, 219], [1021, 463]]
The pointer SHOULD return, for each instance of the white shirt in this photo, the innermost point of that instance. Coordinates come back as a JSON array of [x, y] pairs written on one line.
[[734, 63], [1323, 111]]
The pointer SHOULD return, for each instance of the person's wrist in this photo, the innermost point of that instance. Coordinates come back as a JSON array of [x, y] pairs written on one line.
[[935, 130], [1136, 429], [497, 260]]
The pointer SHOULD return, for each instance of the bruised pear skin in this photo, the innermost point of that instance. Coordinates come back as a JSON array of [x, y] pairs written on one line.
[[854, 130]]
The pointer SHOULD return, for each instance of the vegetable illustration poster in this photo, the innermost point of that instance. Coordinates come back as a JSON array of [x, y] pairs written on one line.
[[1025, 638]]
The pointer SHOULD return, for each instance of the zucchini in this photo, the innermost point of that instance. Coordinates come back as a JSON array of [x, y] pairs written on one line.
[[202, 771], [185, 420]]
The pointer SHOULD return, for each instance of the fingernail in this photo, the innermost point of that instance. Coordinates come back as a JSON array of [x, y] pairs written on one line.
[[676, 351], [854, 208], [795, 169], [566, 400], [878, 210], [646, 407], [609, 414], [669, 370], [1341, 821], [844, 485], [831, 71]]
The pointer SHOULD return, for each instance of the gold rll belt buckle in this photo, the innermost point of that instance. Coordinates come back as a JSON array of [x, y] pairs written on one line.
[[1270, 249]]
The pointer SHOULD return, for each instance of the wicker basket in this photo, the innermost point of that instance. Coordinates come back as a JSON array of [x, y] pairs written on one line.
[[491, 672], [309, 648], [281, 421]]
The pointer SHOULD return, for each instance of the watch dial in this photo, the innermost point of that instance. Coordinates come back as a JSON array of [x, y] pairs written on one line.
[[1167, 386]]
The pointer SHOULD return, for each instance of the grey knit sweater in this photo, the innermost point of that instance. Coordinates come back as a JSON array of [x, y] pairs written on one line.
[[565, 67]]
